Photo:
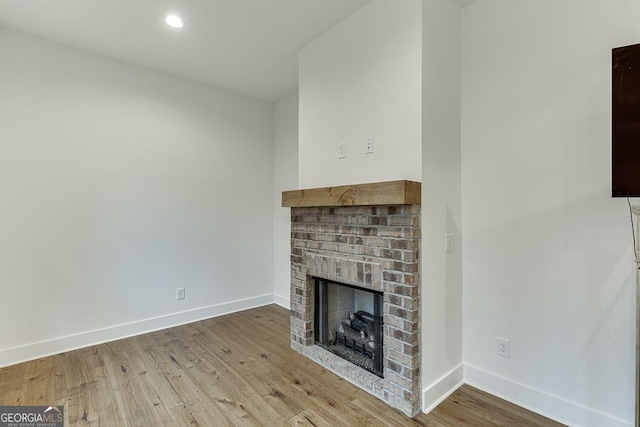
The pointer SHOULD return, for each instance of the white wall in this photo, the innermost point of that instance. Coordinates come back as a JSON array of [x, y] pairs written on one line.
[[442, 369], [392, 71], [285, 177], [119, 185], [547, 253], [363, 79]]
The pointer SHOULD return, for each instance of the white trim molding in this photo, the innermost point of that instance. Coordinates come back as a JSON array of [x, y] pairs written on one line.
[[437, 392], [282, 301], [541, 402], [37, 350]]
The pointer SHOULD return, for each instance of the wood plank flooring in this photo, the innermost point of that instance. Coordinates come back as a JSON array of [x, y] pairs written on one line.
[[234, 370]]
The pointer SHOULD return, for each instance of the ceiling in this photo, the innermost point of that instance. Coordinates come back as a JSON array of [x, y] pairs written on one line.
[[247, 46]]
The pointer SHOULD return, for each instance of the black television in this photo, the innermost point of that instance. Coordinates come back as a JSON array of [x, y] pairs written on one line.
[[625, 129]]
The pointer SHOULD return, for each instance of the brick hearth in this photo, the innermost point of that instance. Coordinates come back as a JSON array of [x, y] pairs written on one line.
[[373, 247]]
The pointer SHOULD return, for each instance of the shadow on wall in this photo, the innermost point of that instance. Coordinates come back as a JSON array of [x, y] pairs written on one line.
[[453, 283]]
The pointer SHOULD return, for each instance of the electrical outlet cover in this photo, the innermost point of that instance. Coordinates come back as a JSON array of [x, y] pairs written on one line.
[[503, 347], [342, 151], [368, 145], [449, 242]]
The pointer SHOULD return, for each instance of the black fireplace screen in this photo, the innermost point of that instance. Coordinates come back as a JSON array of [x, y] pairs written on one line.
[[348, 323]]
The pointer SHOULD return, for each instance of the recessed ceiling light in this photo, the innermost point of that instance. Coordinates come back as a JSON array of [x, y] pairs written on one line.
[[174, 21]]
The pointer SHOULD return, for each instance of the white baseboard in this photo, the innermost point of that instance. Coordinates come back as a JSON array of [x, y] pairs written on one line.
[[41, 349], [538, 401], [282, 301], [436, 393]]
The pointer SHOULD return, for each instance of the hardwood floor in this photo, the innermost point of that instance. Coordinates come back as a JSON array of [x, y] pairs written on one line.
[[232, 370]]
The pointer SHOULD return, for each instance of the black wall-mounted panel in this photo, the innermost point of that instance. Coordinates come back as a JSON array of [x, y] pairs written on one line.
[[625, 160]]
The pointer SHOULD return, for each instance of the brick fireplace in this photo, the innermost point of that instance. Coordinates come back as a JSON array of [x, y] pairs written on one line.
[[367, 236]]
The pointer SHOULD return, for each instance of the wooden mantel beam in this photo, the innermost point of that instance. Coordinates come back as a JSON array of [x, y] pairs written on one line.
[[379, 193]]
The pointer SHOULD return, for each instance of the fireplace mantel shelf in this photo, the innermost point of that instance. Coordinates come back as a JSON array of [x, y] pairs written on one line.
[[379, 193]]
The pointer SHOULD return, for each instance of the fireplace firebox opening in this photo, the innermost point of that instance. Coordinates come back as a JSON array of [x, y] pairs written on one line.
[[349, 323]]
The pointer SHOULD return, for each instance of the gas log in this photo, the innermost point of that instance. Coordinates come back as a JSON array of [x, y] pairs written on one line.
[[356, 333]]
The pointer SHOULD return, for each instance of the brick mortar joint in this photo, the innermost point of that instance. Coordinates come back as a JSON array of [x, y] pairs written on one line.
[[343, 229]]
